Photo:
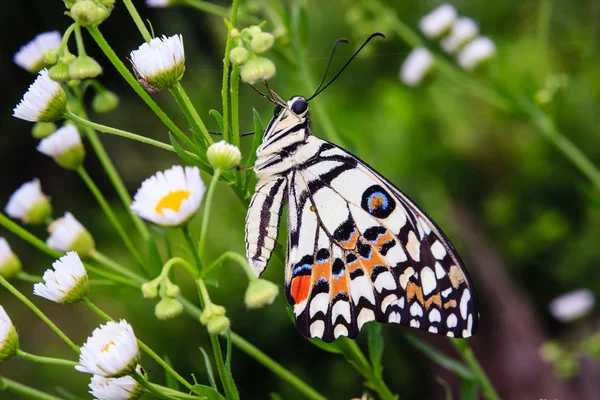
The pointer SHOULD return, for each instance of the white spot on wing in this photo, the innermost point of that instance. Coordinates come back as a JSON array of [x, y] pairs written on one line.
[[340, 330], [332, 209], [414, 323], [435, 316], [385, 280], [451, 321], [365, 316], [438, 250], [466, 296], [387, 301], [342, 308], [428, 281], [413, 246], [446, 292], [361, 287], [394, 318], [439, 271], [467, 332], [416, 310], [408, 272], [319, 303], [433, 329], [317, 328]]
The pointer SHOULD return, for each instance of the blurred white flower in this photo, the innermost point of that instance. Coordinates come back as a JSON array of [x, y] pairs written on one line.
[[9, 340], [463, 31], [111, 352], [124, 388], [170, 198], [64, 146], [68, 283], [161, 63], [44, 101], [572, 305], [158, 3], [438, 22], [67, 234], [29, 204], [416, 66], [10, 265], [223, 155], [31, 55], [476, 52]]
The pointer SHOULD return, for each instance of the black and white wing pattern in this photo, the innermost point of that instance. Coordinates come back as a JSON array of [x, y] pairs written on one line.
[[360, 250]]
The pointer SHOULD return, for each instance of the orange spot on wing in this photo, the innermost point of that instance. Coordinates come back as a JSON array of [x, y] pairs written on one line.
[[450, 304], [340, 285], [383, 239], [300, 288], [436, 299], [372, 262], [412, 290], [351, 243], [321, 270]]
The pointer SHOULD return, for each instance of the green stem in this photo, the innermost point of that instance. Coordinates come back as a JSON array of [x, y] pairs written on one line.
[[178, 260], [176, 393], [25, 277], [190, 112], [207, 7], [138, 20], [65, 39], [79, 40], [207, 208], [190, 242], [110, 214], [25, 391], [235, 106], [226, 379], [39, 313], [484, 382], [149, 387], [112, 264], [230, 255], [45, 360], [226, 63]]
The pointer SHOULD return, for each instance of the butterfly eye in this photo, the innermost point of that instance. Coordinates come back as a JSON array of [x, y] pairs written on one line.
[[277, 110], [300, 106]]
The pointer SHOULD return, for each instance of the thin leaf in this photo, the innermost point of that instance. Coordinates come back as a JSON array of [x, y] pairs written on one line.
[[208, 392], [376, 347], [328, 347], [259, 131], [446, 386], [218, 117], [468, 389], [209, 371], [154, 256], [275, 396], [171, 381], [440, 358]]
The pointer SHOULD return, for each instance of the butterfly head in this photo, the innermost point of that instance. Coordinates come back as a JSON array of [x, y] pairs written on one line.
[[297, 107]]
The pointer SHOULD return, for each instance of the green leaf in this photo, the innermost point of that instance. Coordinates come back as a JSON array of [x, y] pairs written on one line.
[[154, 256], [188, 158], [259, 131], [275, 396], [212, 282], [218, 117], [171, 381], [328, 347], [208, 392], [209, 371], [440, 358], [468, 389], [376, 347]]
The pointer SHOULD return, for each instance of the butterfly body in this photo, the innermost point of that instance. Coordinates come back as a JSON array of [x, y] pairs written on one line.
[[358, 249]]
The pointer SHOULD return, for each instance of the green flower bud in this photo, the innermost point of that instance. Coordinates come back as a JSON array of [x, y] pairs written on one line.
[[29, 204], [260, 292], [39, 213], [150, 289], [10, 265], [168, 308], [89, 13], [65, 147], [218, 325], [9, 339], [59, 72], [171, 289], [211, 311], [51, 56], [42, 129], [223, 155], [257, 69], [262, 42], [84, 67], [67, 234], [69, 3], [68, 57], [254, 29], [105, 101], [238, 56], [235, 34]]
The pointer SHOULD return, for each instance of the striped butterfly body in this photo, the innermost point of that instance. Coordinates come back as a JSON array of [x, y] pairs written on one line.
[[358, 249]]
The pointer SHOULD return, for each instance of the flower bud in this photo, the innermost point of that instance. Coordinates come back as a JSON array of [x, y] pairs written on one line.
[[89, 13], [257, 69], [211, 311], [84, 67], [168, 308], [9, 339], [42, 129], [105, 101], [67, 234], [238, 56], [10, 265], [65, 147], [67, 283], [29, 204], [68, 57], [45, 101], [223, 155], [51, 56], [262, 42], [260, 292], [254, 29], [59, 72], [160, 62], [171, 289], [150, 289], [218, 325], [235, 34]]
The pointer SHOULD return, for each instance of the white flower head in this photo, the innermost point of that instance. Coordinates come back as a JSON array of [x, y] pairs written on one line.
[[68, 283], [572, 305], [158, 3], [29, 204], [438, 22], [67, 234], [64, 146], [31, 55], [123, 388], [45, 101], [223, 155], [416, 66], [463, 30], [161, 63], [10, 265], [9, 340], [476, 52], [170, 198], [111, 352]]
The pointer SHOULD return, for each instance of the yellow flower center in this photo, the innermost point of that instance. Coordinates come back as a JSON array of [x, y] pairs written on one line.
[[105, 348], [172, 201]]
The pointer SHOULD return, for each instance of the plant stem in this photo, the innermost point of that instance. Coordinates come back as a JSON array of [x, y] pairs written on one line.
[[39, 313], [110, 214], [25, 391], [138, 20], [190, 242], [231, 255], [466, 353], [226, 63], [207, 7], [79, 40], [25, 277], [235, 106], [113, 265], [206, 215], [226, 379], [190, 112], [45, 360], [149, 387]]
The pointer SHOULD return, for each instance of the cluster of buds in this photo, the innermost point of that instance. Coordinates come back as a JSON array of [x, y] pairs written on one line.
[[168, 307], [251, 42], [89, 12]]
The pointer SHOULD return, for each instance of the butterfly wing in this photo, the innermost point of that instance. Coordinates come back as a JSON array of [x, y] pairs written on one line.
[[360, 250]]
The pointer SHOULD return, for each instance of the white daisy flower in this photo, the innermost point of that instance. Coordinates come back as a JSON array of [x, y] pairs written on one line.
[[158, 3], [67, 234], [29, 204], [112, 351], [64, 146], [124, 388], [10, 265], [45, 101], [68, 283], [463, 31], [476, 52], [416, 66], [439, 21], [572, 305], [170, 198], [31, 56], [9, 340], [223, 155], [161, 63]]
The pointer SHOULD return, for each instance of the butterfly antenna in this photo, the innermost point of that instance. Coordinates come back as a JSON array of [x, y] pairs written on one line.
[[376, 34], [272, 100], [337, 43]]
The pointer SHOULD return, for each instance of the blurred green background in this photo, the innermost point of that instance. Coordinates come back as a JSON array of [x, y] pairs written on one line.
[[525, 219]]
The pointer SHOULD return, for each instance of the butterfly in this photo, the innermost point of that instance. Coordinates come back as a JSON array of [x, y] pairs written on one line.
[[358, 249]]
